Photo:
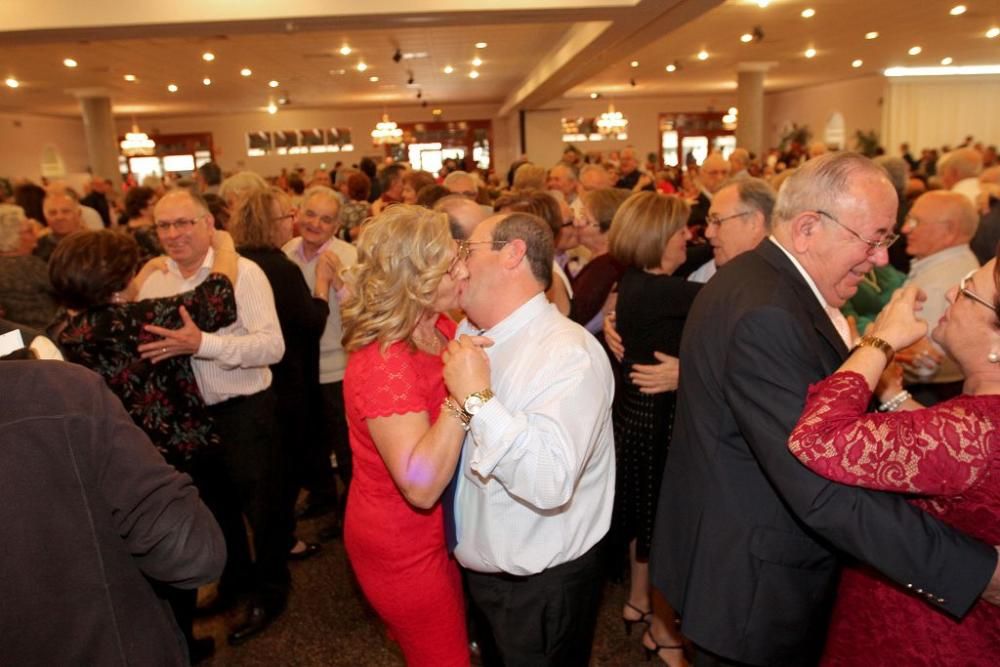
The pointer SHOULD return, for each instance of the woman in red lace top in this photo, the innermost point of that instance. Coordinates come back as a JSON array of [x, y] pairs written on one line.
[[946, 456], [405, 446]]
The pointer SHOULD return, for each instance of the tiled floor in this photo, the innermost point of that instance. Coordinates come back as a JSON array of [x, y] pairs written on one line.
[[329, 623]]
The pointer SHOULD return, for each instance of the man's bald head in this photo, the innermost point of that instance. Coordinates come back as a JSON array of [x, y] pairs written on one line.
[[463, 214], [714, 172]]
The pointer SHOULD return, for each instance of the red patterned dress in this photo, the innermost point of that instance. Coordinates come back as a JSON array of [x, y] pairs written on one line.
[[948, 456], [397, 551]]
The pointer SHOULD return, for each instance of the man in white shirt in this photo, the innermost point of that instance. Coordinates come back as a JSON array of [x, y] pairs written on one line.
[[938, 229], [535, 484], [242, 475], [319, 221]]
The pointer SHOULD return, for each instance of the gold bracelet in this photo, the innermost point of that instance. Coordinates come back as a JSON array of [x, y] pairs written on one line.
[[454, 408], [878, 343]]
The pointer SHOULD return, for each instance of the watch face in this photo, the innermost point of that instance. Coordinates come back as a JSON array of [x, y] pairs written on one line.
[[472, 404]]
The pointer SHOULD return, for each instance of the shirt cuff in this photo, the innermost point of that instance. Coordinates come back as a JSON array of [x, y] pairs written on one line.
[[488, 427], [211, 346]]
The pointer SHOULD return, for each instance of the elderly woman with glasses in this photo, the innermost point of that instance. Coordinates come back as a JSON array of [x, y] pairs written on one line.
[[406, 433], [946, 456]]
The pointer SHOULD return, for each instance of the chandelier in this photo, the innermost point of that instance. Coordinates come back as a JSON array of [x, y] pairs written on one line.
[[387, 132], [137, 143], [611, 121]]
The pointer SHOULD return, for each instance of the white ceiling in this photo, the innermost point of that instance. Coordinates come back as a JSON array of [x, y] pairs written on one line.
[[526, 41]]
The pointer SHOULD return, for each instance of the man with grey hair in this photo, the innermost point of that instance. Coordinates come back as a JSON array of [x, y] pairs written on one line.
[[938, 230], [739, 161], [748, 542], [959, 171], [62, 212], [593, 177], [535, 481], [562, 179], [461, 183], [738, 220], [463, 214]]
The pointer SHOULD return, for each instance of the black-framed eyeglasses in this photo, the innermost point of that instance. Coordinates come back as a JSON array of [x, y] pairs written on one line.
[[180, 224], [965, 291], [465, 247], [887, 239], [713, 219]]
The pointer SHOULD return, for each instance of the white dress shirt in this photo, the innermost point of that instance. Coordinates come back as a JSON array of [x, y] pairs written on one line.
[[234, 360], [332, 358], [704, 272], [536, 480]]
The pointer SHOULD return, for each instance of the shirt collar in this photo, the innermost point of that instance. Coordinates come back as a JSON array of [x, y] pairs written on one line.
[[301, 249], [805, 275], [205, 268], [510, 325], [918, 265]]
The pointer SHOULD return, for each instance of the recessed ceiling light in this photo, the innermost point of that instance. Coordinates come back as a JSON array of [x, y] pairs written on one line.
[[810, 52], [992, 32], [208, 56], [273, 84], [437, 112], [594, 96], [808, 13], [206, 81], [362, 66], [634, 63], [746, 38], [69, 62], [373, 79], [671, 67], [915, 50], [172, 87], [272, 108], [345, 50], [476, 62], [763, 3], [703, 55], [857, 62], [129, 77], [473, 74], [448, 69], [871, 35], [957, 10], [947, 60], [246, 71], [481, 45], [12, 82]]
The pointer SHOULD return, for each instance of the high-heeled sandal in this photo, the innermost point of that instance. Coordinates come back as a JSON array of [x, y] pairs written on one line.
[[657, 646], [629, 622]]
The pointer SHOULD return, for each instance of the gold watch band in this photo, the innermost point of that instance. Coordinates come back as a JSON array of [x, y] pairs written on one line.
[[878, 343]]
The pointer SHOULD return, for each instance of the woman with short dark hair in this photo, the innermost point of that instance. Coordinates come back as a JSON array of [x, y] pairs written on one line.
[[354, 213], [137, 220]]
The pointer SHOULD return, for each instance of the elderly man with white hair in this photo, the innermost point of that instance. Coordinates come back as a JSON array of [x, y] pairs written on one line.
[[959, 172], [461, 183]]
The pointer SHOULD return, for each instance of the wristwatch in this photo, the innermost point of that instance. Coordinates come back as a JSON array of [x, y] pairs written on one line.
[[475, 402]]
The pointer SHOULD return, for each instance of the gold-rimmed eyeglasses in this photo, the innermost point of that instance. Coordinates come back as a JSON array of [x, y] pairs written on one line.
[[887, 239], [964, 290]]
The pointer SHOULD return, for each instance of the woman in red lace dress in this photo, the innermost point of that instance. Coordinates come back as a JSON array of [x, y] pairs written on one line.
[[405, 445], [947, 456]]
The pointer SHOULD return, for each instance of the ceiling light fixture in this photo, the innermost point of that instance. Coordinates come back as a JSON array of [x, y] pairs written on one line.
[[481, 45], [594, 96], [957, 10], [448, 69], [732, 111], [129, 77], [69, 62], [954, 70], [871, 35], [208, 56], [746, 38], [345, 50], [808, 13], [672, 67], [763, 3], [703, 55], [810, 52], [634, 63], [473, 74], [12, 82], [992, 32], [362, 66], [172, 87], [373, 79], [246, 71], [206, 81], [386, 132], [947, 60], [857, 62], [272, 108], [611, 121], [137, 143], [915, 50], [476, 62], [273, 84]]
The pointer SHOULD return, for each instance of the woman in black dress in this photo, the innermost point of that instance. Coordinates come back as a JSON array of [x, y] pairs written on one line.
[[648, 236]]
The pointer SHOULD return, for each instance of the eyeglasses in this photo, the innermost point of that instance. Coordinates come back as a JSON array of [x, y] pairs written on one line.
[[180, 224], [325, 219], [286, 216], [887, 239], [713, 219], [465, 247], [965, 291]]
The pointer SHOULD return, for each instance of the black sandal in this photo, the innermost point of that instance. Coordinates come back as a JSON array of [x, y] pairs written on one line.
[[643, 618], [650, 652]]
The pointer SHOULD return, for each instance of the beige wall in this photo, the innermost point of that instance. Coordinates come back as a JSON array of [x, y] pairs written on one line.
[[858, 100], [23, 137]]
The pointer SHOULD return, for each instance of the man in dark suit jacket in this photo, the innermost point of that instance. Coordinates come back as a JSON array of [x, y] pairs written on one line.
[[748, 542]]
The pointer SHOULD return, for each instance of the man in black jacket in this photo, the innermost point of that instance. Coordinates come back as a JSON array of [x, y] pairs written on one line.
[[748, 542]]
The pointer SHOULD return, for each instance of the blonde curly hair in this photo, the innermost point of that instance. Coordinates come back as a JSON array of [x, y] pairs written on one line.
[[403, 253]]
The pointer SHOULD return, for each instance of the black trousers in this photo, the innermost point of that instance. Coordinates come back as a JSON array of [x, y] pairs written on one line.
[[543, 620], [703, 658], [244, 477], [331, 436]]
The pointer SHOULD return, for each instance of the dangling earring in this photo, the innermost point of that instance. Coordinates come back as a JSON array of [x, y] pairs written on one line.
[[993, 357]]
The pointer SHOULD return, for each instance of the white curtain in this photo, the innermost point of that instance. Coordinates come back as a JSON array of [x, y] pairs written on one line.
[[930, 112]]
